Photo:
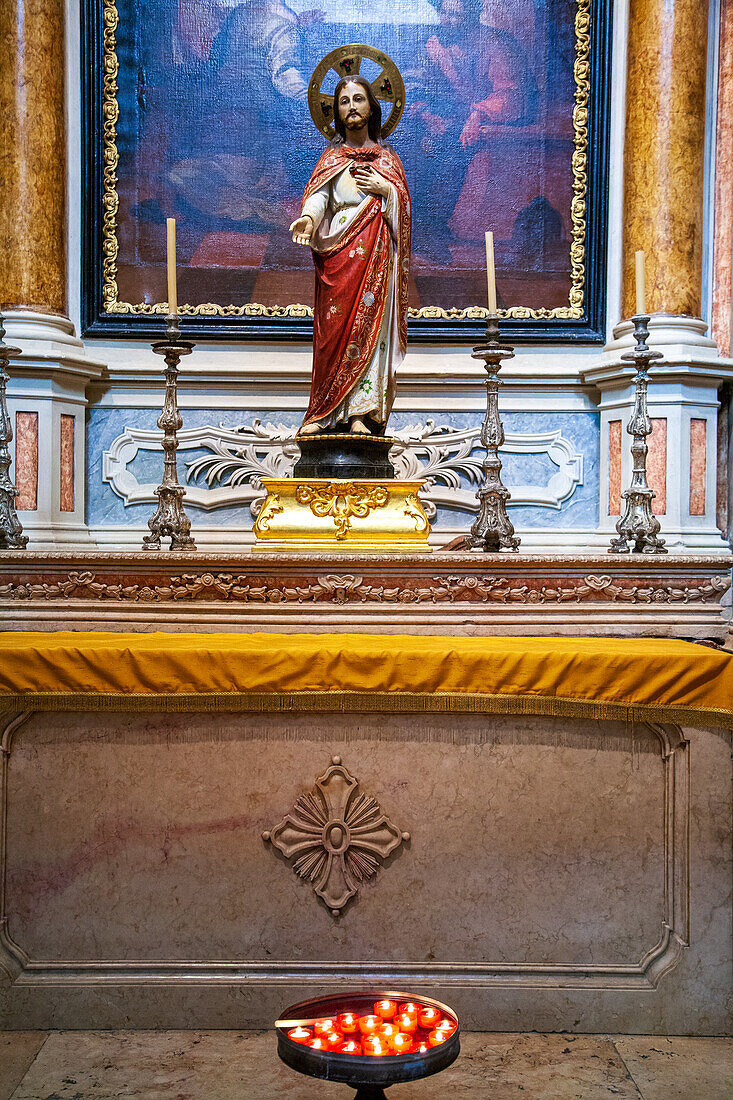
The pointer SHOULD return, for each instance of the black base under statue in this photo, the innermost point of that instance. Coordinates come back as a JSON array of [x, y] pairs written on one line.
[[329, 454]]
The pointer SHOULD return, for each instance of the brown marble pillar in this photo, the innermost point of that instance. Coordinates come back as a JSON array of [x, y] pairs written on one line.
[[664, 153], [720, 309], [32, 156]]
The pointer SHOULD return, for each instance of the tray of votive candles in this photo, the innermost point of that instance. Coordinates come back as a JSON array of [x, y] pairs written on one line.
[[369, 1039]]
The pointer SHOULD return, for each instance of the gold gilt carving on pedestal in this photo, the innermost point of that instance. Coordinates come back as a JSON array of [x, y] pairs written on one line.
[[343, 501], [336, 836], [342, 515]]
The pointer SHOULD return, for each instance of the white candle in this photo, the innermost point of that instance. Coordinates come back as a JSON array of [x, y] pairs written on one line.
[[640, 284], [491, 271], [171, 262]]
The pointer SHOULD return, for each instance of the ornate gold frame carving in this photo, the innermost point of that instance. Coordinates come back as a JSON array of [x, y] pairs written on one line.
[[578, 212]]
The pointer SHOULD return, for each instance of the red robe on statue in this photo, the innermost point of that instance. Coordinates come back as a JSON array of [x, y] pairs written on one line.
[[353, 280]]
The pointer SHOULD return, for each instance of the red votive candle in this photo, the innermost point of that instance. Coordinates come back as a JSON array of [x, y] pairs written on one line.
[[421, 1048], [411, 1008], [375, 1045], [334, 1039], [436, 1037], [350, 1047], [369, 1024], [407, 1021], [300, 1034], [318, 1044], [402, 1043], [321, 1028], [446, 1025], [348, 1023], [386, 1009], [428, 1017]]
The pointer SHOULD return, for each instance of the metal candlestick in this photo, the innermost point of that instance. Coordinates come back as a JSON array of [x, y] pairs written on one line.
[[638, 528], [170, 520], [11, 529], [493, 529]]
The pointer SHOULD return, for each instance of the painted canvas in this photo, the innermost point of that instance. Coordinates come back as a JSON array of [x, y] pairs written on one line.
[[211, 126]]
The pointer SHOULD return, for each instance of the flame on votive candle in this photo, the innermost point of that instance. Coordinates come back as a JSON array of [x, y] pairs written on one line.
[[411, 1007], [386, 1009], [436, 1037], [369, 1024], [318, 1044], [428, 1017], [350, 1047], [446, 1025], [348, 1023], [375, 1046], [334, 1039], [407, 1021], [322, 1027], [401, 1043], [421, 1048], [300, 1034]]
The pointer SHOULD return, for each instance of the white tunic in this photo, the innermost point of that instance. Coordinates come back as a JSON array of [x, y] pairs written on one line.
[[333, 208]]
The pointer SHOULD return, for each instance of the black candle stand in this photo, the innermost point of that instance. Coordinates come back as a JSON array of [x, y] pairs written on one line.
[[370, 1076]]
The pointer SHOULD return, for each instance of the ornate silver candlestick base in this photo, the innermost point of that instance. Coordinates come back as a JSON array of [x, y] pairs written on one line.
[[493, 530], [11, 529], [638, 528], [170, 519]]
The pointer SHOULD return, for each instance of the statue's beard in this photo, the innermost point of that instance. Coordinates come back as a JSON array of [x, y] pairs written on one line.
[[356, 122]]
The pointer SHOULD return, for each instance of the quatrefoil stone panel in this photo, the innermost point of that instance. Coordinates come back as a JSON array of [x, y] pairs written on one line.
[[336, 837]]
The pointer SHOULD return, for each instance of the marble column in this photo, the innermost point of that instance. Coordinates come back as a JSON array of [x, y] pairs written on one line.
[[47, 389], [664, 154], [33, 164]]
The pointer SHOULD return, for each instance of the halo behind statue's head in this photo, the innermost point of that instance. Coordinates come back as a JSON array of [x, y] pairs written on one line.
[[388, 86]]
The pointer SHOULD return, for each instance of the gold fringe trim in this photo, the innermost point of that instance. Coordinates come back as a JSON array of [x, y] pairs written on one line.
[[276, 702]]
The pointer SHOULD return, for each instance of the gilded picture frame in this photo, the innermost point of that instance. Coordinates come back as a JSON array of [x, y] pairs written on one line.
[[189, 111]]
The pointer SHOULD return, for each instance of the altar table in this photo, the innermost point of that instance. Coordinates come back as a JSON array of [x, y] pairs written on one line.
[[198, 829]]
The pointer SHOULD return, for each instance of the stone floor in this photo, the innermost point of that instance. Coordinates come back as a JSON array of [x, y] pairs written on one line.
[[232, 1065]]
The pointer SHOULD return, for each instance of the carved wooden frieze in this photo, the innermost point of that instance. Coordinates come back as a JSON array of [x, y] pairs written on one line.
[[341, 588], [336, 836]]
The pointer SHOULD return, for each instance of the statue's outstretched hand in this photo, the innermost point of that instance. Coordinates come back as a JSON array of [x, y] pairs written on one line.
[[302, 230]]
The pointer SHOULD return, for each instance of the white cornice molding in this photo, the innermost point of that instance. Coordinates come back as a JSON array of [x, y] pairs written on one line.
[[49, 348]]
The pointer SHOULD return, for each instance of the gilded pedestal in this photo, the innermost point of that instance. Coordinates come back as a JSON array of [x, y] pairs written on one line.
[[312, 515]]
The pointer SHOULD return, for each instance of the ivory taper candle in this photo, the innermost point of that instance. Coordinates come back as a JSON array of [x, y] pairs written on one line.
[[491, 271], [640, 284], [170, 225]]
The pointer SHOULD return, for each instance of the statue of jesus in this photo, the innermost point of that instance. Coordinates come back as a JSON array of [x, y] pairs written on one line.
[[356, 217]]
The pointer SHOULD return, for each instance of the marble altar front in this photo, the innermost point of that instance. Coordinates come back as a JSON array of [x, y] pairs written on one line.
[[560, 873]]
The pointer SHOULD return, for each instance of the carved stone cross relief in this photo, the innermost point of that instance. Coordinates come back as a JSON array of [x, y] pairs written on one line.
[[336, 836]]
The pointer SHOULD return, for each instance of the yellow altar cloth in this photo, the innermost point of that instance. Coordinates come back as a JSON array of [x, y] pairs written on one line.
[[644, 679]]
